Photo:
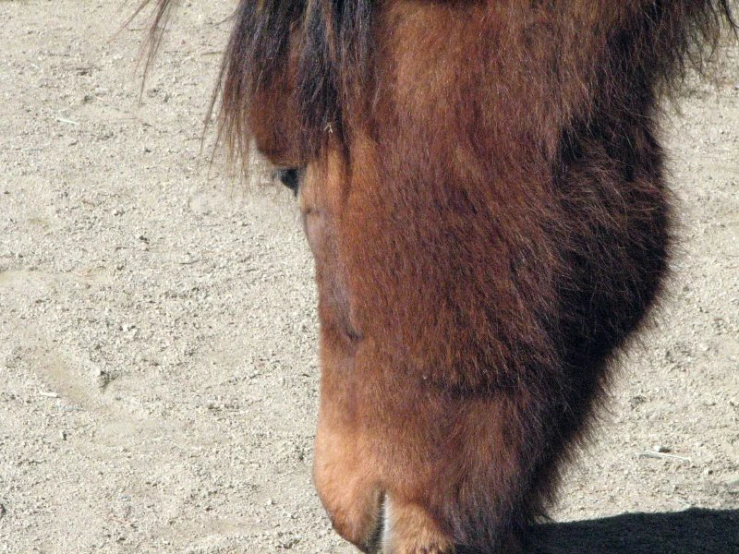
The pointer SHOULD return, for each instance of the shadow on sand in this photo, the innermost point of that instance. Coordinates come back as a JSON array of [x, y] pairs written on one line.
[[694, 531]]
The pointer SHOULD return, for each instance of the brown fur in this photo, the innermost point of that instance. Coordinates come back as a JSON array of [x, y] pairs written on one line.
[[484, 195]]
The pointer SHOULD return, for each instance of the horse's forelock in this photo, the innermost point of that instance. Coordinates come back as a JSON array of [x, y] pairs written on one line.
[[333, 68], [321, 45]]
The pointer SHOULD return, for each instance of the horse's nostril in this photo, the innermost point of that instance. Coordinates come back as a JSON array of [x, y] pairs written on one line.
[[290, 178]]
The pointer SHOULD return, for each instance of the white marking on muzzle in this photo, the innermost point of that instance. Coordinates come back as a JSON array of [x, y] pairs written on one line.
[[386, 524]]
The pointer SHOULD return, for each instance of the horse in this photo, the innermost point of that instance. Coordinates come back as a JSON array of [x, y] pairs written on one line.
[[483, 190]]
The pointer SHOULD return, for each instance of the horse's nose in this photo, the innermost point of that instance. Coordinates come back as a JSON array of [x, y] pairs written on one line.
[[290, 177]]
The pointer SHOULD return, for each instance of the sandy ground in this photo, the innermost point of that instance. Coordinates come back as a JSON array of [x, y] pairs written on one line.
[[158, 371]]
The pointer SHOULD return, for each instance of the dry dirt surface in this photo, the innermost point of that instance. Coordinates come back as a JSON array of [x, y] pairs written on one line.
[[158, 369]]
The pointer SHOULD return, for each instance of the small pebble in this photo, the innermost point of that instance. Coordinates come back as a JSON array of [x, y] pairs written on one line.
[[661, 448]]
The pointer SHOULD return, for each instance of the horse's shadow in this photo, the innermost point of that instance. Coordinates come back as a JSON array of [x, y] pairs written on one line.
[[694, 531]]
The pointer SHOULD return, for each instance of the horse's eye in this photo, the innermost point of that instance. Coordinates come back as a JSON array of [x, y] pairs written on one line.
[[290, 177]]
